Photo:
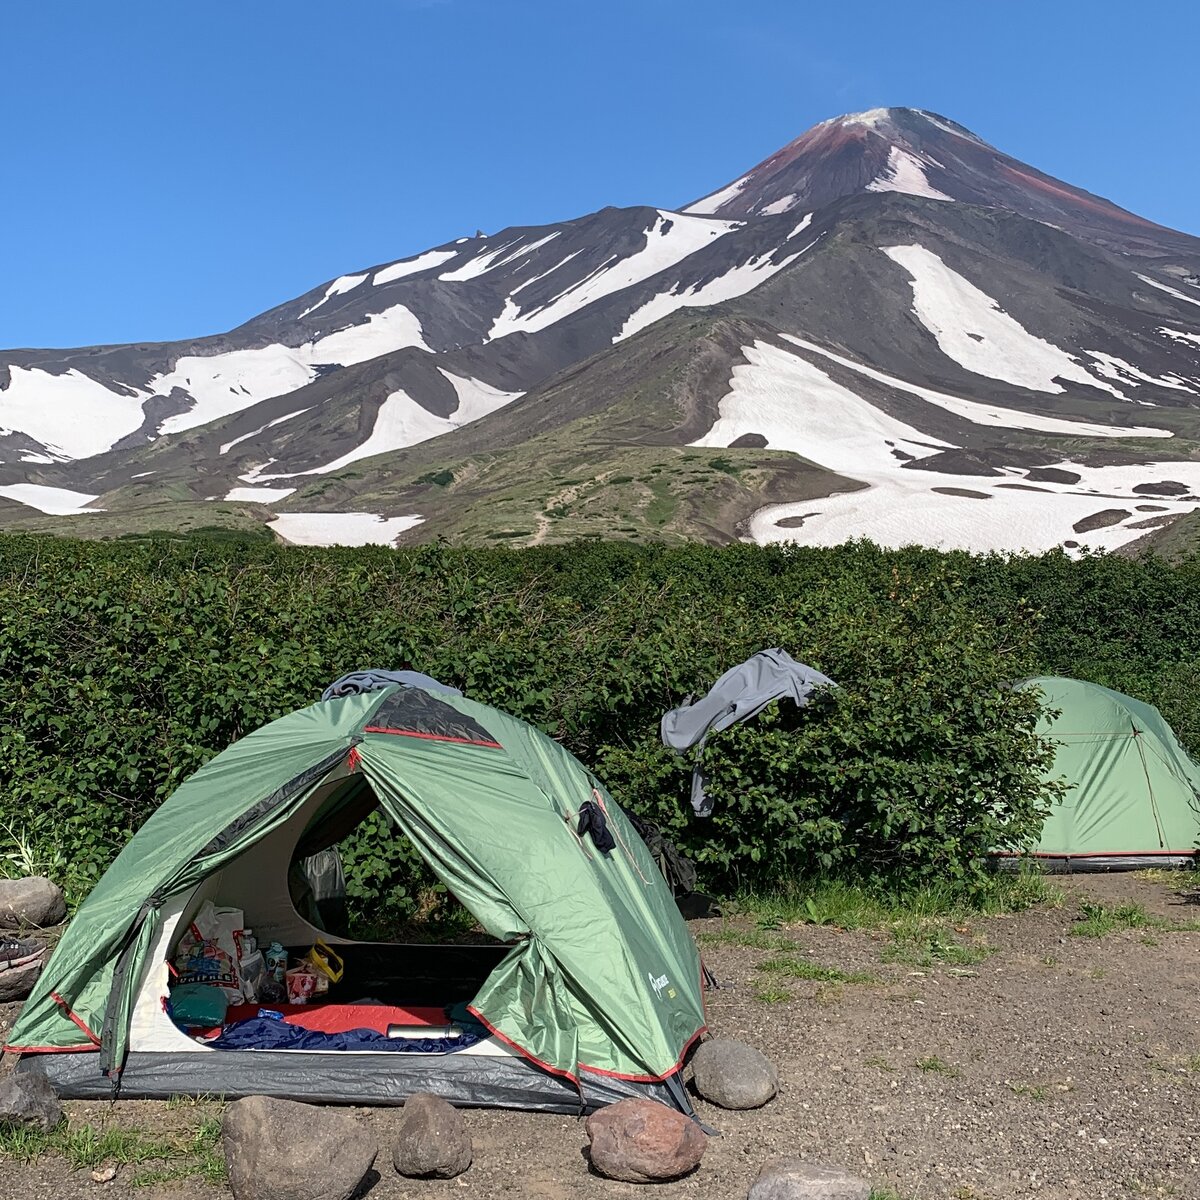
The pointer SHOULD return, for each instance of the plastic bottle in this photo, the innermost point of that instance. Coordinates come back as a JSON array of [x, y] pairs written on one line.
[[276, 962]]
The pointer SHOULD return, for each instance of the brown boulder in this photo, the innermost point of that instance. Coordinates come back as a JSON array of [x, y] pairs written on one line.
[[284, 1150], [641, 1141], [432, 1142]]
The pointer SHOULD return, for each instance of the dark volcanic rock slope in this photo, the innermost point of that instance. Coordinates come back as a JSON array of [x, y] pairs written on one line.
[[889, 328]]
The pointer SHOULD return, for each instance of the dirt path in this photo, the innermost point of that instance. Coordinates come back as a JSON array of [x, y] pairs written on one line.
[[1059, 1066]]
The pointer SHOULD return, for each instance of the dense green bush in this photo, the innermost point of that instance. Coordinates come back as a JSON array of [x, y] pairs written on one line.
[[124, 666]]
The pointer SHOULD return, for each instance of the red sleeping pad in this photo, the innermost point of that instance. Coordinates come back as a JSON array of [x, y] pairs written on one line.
[[341, 1018]]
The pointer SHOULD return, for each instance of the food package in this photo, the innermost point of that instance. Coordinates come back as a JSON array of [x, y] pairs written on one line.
[[208, 952], [301, 983]]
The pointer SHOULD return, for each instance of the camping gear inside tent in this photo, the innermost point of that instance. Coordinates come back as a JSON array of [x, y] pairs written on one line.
[[1133, 795], [591, 991]]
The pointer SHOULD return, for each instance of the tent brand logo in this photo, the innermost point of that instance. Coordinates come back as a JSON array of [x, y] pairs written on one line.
[[660, 985]]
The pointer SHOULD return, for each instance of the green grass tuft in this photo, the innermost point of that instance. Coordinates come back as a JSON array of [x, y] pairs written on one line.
[[794, 968], [1098, 920], [186, 1154], [937, 1066]]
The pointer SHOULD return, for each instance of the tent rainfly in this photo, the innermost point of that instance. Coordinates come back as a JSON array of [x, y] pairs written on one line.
[[1133, 789], [592, 994]]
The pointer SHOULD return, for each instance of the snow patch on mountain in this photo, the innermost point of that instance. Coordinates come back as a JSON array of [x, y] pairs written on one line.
[[71, 412], [223, 384], [1112, 367], [974, 331], [499, 257], [393, 329], [900, 508], [53, 500], [872, 118], [737, 281], [336, 288], [1162, 287], [716, 200], [340, 529], [402, 422], [979, 413], [413, 266], [670, 240], [227, 446], [258, 495], [1179, 335], [778, 206], [544, 274], [905, 173], [797, 407], [805, 222]]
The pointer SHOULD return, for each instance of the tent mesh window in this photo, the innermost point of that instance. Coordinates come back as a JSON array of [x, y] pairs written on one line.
[[419, 714]]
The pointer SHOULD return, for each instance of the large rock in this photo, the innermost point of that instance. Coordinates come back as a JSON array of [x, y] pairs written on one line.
[[641, 1141], [34, 902], [28, 1098], [791, 1179], [282, 1150], [17, 982], [432, 1141], [732, 1074]]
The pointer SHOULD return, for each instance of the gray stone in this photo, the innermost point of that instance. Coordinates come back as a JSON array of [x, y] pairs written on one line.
[[791, 1179], [732, 1074], [17, 982], [34, 902], [28, 1098], [641, 1141], [283, 1150], [432, 1141]]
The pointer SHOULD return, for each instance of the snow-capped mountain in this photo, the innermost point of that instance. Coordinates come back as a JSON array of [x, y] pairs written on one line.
[[889, 329]]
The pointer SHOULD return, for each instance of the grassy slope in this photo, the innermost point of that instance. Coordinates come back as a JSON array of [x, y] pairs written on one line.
[[174, 517]]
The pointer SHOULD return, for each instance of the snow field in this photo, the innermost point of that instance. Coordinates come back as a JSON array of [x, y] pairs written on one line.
[[1162, 287], [799, 408], [402, 422], [778, 206], [53, 500], [715, 200], [905, 173], [345, 284], [986, 414], [475, 267], [412, 266], [737, 281], [227, 446], [974, 331], [670, 240], [260, 495], [223, 384], [340, 529], [71, 413]]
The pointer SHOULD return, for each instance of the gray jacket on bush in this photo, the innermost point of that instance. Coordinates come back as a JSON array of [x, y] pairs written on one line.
[[742, 692]]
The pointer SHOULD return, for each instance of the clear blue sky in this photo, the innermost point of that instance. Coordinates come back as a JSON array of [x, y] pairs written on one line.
[[170, 168]]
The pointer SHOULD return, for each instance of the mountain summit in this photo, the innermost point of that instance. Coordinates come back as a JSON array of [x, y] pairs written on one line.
[[925, 154], [888, 329]]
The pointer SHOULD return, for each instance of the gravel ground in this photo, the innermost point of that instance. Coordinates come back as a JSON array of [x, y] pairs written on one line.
[[1061, 1067]]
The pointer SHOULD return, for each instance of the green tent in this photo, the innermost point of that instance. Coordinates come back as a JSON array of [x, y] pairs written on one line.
[[594, 992], [1133, 790]]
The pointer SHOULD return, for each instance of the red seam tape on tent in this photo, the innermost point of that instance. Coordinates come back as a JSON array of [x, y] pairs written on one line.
[[533, 1058], [77, 1020], [89, 1049], [583, 1066], [432, 737], [649, 1078]]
